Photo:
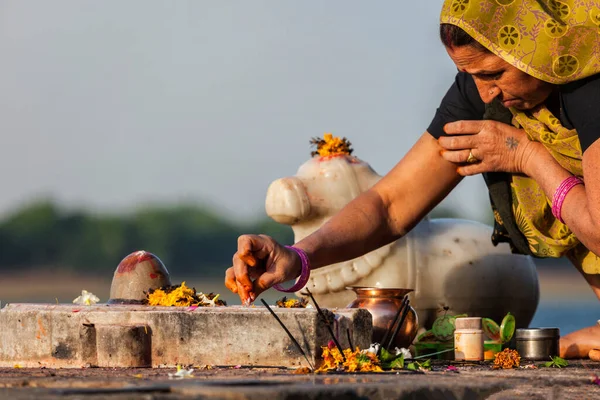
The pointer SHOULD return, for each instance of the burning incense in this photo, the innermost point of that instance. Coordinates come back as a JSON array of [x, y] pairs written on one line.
[[327, 323], [288, 333], [402, 319], [349, 339], [394, 321]]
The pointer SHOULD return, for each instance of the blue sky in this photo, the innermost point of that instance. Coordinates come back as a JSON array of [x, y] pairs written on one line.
[[114, 104]]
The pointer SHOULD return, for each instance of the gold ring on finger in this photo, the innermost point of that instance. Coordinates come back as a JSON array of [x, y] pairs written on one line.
[[472, 159]]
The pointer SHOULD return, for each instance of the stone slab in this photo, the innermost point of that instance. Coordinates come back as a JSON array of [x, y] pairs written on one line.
[[66, 335], [472, 381]]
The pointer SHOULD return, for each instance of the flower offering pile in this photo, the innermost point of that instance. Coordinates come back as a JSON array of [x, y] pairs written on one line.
[[284, 302], [182, 296], [507, 359], [355, 361], [331, 145]]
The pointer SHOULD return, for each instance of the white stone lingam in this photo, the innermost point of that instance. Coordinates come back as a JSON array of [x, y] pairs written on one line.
[[448, 262]]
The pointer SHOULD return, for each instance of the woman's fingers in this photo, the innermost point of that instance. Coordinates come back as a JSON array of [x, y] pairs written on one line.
[[264, 282], [457, 156], [458, 142], [259, 264], [243, 281], [464, 127], [230, 282], [248, 259]]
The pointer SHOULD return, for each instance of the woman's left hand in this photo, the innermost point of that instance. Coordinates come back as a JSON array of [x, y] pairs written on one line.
[[486, 146]]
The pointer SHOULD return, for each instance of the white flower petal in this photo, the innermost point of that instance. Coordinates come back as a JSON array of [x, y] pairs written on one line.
[[374, 348], [86, 298], [404, 352]]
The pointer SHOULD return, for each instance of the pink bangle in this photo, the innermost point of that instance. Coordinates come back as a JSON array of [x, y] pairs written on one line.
[[561, 192], [304, 275]]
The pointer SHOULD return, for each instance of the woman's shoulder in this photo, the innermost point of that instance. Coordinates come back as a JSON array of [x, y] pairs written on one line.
[[461, 102], [589, 83], [580, 103]]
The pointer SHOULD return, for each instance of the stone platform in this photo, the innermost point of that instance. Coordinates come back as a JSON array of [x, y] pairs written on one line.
[[71, 336], [471, 382]]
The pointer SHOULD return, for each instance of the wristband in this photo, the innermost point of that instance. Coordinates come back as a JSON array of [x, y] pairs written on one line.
[[304, 275], [561, 192]]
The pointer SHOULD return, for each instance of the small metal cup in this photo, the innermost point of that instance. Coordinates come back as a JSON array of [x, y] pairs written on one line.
[[537, 343]]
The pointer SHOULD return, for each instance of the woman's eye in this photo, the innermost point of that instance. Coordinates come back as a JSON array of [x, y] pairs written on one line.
[[491, 76]]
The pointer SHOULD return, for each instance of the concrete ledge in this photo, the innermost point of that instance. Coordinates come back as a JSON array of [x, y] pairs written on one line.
[[65, 335]]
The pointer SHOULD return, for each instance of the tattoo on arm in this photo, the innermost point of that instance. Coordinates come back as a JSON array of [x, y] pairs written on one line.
[[511, 143]]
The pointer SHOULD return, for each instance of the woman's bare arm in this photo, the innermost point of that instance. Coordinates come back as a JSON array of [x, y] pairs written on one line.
[[376, 217], [387, 211], [581, 208]]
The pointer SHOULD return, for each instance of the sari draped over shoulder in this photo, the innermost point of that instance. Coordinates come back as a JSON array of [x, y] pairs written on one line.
[[557, 42]]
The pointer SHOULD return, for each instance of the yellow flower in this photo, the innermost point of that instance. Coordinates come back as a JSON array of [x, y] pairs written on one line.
[[507, 359], [331, 146], [356, 361], [181, 296]]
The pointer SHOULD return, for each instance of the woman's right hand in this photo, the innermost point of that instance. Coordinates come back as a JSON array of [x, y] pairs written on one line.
[[259, 263]]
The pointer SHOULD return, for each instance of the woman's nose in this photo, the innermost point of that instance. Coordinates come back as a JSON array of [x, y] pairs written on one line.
[[488, 93]]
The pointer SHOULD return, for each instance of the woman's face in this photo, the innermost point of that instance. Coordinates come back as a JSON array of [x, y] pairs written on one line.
[[495, 77]]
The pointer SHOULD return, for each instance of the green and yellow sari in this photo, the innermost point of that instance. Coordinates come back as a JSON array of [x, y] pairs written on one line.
[[557, 42]]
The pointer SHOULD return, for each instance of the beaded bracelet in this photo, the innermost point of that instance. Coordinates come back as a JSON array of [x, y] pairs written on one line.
[[561, 192], [304, 275]]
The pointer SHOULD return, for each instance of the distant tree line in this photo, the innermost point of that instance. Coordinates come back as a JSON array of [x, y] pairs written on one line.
[[188, 238]]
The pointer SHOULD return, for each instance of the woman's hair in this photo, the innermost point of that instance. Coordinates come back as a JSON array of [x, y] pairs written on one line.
[[453, 36]]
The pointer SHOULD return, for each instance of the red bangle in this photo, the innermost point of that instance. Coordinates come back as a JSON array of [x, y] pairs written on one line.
[[304, 275], [561, 192]]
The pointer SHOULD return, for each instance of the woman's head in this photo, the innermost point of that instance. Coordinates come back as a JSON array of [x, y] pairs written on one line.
[[494, 77], [554, 41]]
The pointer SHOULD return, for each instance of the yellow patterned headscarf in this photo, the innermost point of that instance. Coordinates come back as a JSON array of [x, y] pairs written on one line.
[[557, 42]]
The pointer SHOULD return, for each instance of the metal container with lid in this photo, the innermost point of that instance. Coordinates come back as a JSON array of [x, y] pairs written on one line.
[[537, 343]]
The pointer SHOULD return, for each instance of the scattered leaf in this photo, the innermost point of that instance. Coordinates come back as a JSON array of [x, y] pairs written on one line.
[[417, 366], [555, 362], [391, 361], [385, 356]]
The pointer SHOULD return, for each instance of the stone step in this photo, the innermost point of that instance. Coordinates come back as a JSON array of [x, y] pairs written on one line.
[[110, 335]]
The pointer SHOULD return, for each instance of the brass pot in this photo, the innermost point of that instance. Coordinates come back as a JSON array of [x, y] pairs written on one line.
[[383, 304]]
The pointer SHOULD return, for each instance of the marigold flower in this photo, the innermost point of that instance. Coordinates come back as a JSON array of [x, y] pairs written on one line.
[[507, 359]]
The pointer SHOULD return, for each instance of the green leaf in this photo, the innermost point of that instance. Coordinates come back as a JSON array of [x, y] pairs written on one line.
[[386, 356], [556, 362], [412, 366], [362, 358], [426, 364], [559, 362], [398, 363], [417, 366]]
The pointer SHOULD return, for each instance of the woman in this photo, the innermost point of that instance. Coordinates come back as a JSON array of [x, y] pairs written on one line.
[[524, 111]]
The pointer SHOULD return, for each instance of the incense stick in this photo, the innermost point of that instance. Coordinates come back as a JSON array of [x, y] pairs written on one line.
[[327, 324], [404, 314], [288, 333], [394, 321], [433, 354], [349, 339]]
